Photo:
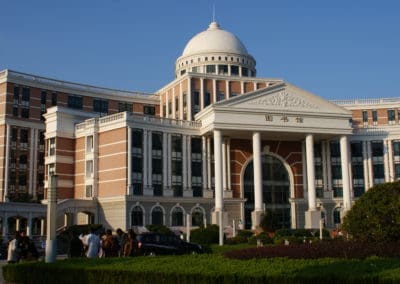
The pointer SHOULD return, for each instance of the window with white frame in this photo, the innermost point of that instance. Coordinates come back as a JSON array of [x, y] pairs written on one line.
[[89, 169], [89, 191], [52, 146], [89, 144]]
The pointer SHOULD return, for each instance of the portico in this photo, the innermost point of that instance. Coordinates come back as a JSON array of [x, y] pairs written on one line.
[[269, 118]]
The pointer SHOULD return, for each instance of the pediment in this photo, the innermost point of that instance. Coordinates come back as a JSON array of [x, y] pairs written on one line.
[[283, 97]]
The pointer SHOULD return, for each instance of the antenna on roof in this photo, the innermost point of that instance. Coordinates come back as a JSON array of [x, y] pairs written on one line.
[[213, 18]]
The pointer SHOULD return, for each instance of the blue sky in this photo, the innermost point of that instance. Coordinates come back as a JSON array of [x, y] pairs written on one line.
[[335, 49]]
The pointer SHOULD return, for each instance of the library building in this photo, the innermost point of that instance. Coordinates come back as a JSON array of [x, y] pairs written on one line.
[[216, 145]]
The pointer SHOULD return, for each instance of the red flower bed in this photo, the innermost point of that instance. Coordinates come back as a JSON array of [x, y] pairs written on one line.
[[334, 249]]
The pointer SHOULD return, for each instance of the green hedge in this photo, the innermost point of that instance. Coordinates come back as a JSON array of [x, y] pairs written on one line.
[[205, 269]]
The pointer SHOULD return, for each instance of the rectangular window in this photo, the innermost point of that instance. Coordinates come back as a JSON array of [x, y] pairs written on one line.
[[43, 97], [223, 69], [150, 110], [365, 116], [377, 148], [89, 191], [245, 72], [234, 70], [75, 102], [123, 106], [176, 104], [210, 69], [397, 171], [176, 165], [89, 144], [207, 99], [25, 112], [375, 117], [100, 106], [356, 149], [396, 148], [23, 138], [54, 99], [137, 161], [16, 95], [52, 146], [25, 96], [169, 108], [89, 169], [391, 116]]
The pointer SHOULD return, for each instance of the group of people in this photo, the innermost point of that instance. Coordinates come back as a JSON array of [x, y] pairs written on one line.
[[21, 247], [106, 245]]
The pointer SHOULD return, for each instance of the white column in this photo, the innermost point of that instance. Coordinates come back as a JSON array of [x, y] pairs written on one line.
[[31, 150], [258, 197], [169, 149], [218, 170], [184, 162], [310, 172], [391, 164], [189, 99], [150, 160], [214, 85], [365, 164], [228, 93], [42, 226], [224, 167], [344, 155], [201, 98], [165, 160], [241, 86], [180, 101], [29, 225], [204, 161], [189, 161], [166, 105], [7, 164], [173, 104], [129, 162], [370, 167], [35, 163], [145, 159], [209, 185], [17, 224], [328, 165], [228, 157], [324, 165], [386, 160], [255, 85]]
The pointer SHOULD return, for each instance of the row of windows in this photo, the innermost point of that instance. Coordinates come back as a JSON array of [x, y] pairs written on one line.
[[212, 58], [157, 216], [391, 115]]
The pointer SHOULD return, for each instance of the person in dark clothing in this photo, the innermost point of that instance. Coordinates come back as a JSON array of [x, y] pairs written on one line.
[[75, 246]]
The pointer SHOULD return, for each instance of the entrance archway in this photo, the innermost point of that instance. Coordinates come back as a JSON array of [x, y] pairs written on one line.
[[276, 191]]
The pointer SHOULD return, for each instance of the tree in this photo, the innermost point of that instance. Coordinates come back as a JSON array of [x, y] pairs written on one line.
[[376, 215]]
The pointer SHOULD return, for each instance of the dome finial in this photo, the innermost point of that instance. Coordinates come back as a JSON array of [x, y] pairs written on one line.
[[213, 18]]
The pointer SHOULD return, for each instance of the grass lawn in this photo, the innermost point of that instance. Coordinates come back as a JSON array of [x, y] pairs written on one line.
[[207, 268]]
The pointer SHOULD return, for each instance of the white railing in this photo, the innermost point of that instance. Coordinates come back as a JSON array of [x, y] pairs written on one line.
[[366, 101], [165, 121]]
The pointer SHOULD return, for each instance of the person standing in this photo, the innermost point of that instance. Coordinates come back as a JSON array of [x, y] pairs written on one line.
[[92, 242], [130, 244], [109, 245], [121, 237], [75, 246], [13, 249]]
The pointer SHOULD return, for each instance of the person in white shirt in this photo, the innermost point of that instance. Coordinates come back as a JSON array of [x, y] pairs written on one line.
[[13, 249], [92, 242]]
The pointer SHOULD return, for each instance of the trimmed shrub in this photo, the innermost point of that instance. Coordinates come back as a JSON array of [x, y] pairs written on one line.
[[263, 237], [283, 233], [242, 237], [376, 215], [320, 249], [205, 236]]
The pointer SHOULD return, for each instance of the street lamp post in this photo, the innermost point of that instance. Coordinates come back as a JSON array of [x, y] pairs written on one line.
[[51, 241]]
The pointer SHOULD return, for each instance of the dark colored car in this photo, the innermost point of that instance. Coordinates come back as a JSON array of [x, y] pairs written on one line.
[[157, 244]]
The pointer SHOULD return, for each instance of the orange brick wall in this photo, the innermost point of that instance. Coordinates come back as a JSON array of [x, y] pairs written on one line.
[[112, 162]]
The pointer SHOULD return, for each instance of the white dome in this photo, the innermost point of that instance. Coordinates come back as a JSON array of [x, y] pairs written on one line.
[[214, 39]]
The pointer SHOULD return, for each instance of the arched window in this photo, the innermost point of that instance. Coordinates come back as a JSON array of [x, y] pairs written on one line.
[[197, 217], [157, 216], [336, 215], [177, 217], [137, 216]]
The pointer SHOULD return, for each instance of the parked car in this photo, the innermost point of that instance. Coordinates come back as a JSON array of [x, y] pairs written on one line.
[[152, 243]]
